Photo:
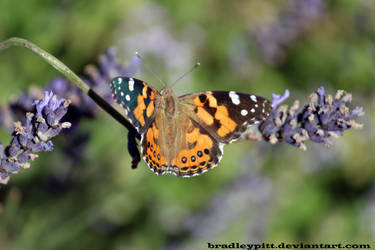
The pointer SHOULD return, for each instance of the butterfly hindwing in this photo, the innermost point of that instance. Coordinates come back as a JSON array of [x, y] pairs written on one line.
[[137, 98], [200, 152], [227, 114], [195, 154]]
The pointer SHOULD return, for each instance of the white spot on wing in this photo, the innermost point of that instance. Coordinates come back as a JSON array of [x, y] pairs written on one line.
[[254, 98], [244, 112], [131, 84], [119, 80], [234, 97], [221, 147], [127, 97], [252, 110]]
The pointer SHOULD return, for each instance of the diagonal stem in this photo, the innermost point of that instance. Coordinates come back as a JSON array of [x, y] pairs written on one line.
[[53, 61], [71, 76]]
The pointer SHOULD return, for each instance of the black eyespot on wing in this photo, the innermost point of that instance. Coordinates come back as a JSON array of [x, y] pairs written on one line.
[[202, 98]]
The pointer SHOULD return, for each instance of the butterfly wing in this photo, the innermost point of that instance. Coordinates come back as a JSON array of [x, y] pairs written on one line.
[[192, 142], [226, 115], [138, 100], [190, 151]]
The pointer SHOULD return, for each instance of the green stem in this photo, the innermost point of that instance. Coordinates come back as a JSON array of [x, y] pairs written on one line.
[[56, 63], [72, 77]]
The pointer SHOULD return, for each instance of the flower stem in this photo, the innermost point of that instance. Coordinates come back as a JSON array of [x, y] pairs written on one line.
[[56, 63], [70, 75]]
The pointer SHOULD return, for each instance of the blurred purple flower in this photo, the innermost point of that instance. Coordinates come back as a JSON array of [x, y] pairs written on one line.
[[109, 67], [245, 200], [153, 37], [97, 78], [82, 106], [323, 118], [34, 136], [273, 38], [230, 204], [18, 107]]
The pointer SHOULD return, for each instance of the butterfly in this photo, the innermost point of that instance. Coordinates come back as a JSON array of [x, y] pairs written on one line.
[[185, 135]]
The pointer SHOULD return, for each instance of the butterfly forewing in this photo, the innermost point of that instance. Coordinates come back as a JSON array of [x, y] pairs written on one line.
[[226, 114], [137, 98]]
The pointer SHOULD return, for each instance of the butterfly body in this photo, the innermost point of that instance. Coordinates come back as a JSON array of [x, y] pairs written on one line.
[[185, 135]]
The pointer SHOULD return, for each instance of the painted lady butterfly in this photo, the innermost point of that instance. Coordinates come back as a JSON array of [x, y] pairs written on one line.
[[185, 135]]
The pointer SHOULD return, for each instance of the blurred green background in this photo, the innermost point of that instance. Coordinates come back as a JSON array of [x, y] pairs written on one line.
[[259, 192]]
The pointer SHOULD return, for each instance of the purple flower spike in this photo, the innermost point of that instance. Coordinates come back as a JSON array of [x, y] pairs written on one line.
[[278, 99], [109, 68], [34, 136], [323, 118]]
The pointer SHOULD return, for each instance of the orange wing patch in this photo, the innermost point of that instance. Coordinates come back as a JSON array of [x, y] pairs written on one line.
[[151, 151], [141, 111], [205, 116], [203, 155], [150, 108], [138, 111], [227, 124], [206, 102]]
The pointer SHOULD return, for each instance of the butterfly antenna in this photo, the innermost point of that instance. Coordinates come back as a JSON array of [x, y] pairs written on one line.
[[186, 73], [148, 68]]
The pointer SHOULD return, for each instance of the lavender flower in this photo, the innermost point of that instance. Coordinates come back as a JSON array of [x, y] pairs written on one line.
[[18, 107], [97, 78], [109, 68], [34, 136], [272, 39], [323, 118], [82, 106]]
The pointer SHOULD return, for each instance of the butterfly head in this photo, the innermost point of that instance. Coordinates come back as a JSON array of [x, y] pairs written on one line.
[[168, 100], [167, 91]]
